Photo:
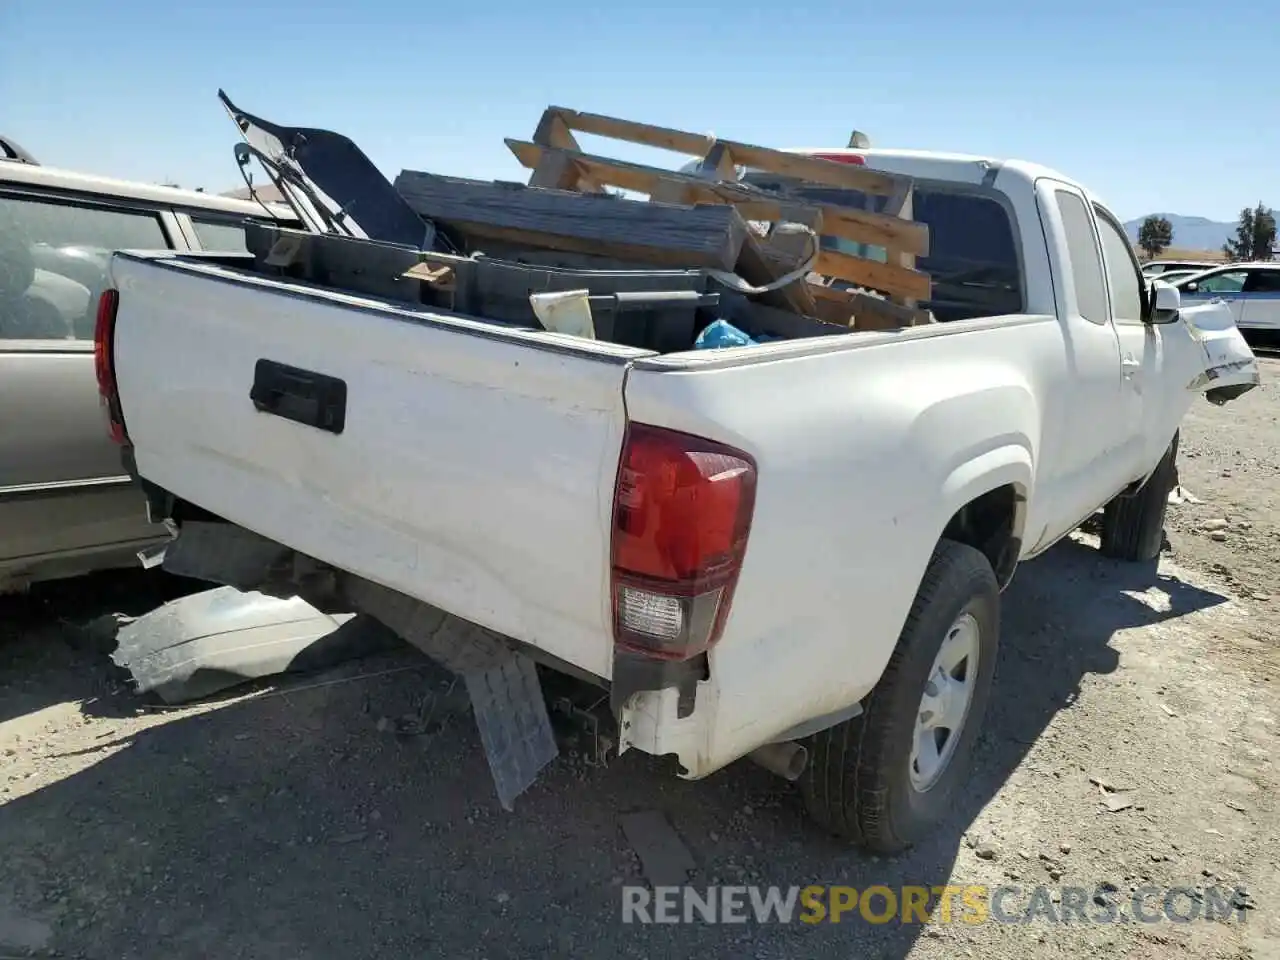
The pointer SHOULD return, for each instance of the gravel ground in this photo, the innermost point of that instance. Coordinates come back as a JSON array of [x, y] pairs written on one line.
[[1131, 742]]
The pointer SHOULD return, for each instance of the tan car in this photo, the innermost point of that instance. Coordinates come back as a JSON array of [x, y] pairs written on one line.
[[66, 505]]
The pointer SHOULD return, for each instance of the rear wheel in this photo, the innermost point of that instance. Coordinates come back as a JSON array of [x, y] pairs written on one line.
[[885, 778], [1133, 525]]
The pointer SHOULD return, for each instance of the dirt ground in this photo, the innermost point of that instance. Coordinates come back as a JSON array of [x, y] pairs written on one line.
[[1131, 742]]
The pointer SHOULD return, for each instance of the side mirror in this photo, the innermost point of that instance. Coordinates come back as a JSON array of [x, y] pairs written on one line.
[[1192, 287], [1165, 303]]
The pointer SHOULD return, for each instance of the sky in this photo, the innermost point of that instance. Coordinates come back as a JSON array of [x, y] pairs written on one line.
[[1157, 107]]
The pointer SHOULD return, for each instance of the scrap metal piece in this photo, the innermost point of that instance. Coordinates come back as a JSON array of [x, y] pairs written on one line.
[[515, 730], [206, 642]]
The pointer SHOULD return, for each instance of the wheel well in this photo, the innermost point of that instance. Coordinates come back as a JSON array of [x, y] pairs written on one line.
[[990, 523]]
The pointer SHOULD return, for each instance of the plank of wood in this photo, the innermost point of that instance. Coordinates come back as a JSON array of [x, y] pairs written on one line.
[[869, 310], [859, 226], [702, 236], [885, 277], [556, 171], [758, 269], [745, 154], [552, 131], [438, 275], [668, 191], [902, 205], [718, 164], [869, 313], [833, 311]]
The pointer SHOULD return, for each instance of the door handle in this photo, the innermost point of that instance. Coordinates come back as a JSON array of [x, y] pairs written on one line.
[[1129, 366], [302, 396]]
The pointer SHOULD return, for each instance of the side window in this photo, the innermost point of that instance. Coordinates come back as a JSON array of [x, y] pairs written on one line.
[[1086, 265], [1230, 282], [1122, 271], [1262, 281], [221, 236], [53, 263]]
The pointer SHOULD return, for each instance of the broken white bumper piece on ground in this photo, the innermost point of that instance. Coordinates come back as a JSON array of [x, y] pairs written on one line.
[[200, 644], [506, 696]]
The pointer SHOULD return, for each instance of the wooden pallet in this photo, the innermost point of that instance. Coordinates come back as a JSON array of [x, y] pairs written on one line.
[[558, 162]]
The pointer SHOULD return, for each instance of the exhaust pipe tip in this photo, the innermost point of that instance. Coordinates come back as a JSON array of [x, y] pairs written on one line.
[[787, 760]]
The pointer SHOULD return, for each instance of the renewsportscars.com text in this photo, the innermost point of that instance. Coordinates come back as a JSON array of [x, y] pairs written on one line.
[[972, 904]]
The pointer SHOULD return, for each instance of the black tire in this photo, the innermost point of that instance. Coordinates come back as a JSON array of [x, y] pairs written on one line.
[[857, 782], [1133, 526]]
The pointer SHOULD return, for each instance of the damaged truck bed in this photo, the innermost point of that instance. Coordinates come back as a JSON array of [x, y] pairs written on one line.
[[756, 454]]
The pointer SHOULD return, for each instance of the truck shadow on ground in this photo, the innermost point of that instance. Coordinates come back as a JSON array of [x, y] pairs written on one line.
[[304, 824]]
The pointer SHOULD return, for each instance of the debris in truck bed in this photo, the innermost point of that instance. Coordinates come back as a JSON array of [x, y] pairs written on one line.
[[744, 219], [666, 235], [786, 268], [557, 160]]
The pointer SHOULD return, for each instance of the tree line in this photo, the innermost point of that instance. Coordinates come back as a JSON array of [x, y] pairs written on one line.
[[1254, 240]]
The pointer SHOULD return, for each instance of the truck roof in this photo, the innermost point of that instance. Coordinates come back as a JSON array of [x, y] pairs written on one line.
[[962, 167], [39, 176]]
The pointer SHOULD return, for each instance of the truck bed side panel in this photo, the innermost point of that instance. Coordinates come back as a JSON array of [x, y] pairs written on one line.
[[472, 472], [863, 456]]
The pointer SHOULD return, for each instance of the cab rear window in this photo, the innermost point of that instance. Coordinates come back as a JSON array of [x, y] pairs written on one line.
[[221, 236], [973, 254]]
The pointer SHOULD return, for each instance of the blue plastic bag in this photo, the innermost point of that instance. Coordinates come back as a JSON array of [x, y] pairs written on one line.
[[722, 334]]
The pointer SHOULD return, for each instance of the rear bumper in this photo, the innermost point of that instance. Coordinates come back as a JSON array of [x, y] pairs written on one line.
[[715, 729]]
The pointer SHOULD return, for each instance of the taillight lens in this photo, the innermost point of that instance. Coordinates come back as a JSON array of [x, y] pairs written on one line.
[[682, 512], [104, 330]]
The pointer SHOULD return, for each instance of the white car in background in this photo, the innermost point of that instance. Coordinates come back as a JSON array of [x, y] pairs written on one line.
[[1169, 276], [1157, 268], [1251, 290]]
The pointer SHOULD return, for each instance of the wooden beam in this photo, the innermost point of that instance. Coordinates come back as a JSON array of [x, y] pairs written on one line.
[[718, 164], [552, 131], [870, 313], [678, 141], [858, 226], [833, 311], [708, 235], [669, 191], [759, 269], [804, 167], [873, 313], [556, 171], [902, 205], [886, 277]]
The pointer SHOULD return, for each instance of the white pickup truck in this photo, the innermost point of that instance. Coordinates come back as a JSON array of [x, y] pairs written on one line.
[[789, 549]]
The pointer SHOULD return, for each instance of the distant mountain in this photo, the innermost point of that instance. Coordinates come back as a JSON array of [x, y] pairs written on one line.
[[1190, 233]]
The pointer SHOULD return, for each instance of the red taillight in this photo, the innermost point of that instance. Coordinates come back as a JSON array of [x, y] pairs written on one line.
[[853, 158], [104, 330], [682, 511]]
